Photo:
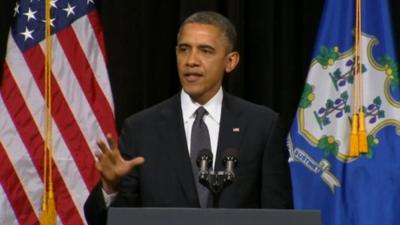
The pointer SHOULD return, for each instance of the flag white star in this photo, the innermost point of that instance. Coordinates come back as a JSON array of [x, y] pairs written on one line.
[[16, 9], [69, 10], [27, 33], [30, 15], [51, 21], [90, 1], [53, 3]]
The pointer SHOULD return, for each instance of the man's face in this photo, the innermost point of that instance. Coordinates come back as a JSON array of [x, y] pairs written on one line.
[[202, 60]]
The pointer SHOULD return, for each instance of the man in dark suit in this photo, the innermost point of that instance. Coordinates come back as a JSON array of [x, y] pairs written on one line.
[[162, 136]]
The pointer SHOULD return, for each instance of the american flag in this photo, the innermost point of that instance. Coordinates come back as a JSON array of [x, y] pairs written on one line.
[[82, 110]]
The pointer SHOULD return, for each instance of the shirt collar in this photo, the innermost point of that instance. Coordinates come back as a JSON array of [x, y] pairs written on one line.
[[213, 106]]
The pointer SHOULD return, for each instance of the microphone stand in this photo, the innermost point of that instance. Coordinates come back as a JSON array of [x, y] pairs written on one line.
[[216, 182]]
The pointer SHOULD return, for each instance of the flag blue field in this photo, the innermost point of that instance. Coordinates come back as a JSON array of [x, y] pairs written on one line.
[[362, 190]]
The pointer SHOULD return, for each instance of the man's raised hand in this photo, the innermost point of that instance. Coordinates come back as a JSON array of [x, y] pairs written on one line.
[[112, 166]]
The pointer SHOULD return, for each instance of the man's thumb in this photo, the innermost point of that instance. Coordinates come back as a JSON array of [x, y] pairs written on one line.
[[136, 161]]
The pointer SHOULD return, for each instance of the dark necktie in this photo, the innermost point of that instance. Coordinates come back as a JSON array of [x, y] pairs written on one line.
[[200, 139]]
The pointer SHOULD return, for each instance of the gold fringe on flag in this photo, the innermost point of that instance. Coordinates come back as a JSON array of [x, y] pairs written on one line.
[[362, 134], [49, 213], [354, 147]]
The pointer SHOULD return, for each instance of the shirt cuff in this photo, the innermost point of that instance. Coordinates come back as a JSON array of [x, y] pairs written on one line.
[[108, 198]]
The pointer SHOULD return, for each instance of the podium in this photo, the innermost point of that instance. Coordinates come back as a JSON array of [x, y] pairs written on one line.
[[196, 216]]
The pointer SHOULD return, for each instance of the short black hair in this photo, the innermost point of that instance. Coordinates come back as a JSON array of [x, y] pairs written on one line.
[[217, 20]]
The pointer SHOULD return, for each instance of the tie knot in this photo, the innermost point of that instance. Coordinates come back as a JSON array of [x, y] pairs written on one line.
[[200, 112]]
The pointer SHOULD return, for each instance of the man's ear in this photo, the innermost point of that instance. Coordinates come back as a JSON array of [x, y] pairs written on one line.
[[233, 60]]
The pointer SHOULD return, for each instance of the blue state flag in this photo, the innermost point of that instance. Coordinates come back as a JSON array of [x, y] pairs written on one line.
[[349, 189]]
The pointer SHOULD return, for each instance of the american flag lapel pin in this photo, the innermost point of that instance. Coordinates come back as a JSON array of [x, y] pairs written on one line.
[[236, 129]]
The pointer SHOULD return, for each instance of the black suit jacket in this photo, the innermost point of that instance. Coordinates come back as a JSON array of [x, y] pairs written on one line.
[[166, 178]]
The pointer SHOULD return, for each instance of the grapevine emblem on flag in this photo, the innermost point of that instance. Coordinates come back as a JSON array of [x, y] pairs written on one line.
[[324, 114]]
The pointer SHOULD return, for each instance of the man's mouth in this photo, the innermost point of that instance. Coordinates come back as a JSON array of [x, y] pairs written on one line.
[[192, 77]]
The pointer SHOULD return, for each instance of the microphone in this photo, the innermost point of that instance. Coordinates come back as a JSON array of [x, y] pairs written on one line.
[[216, 181], [230, 161], [204, 161]]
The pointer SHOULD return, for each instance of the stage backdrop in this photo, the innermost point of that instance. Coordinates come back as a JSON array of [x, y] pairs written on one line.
[[276, 38]]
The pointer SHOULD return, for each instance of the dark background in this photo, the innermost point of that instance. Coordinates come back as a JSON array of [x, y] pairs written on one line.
[[276, 39]]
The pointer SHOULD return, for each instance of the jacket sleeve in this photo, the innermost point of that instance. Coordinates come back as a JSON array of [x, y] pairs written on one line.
[[95, 208], [276, 183]]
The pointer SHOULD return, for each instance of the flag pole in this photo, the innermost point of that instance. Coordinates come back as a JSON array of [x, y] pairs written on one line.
[[48, 205], [362, 136], [358, 134]]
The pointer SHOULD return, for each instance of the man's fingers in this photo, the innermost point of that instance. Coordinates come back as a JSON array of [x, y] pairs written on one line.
[[136, 161], [98, 166], [103, 147], [111, 142], [98, 154]]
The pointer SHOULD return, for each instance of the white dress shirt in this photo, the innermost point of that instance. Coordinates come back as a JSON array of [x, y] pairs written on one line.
[[212, 119]]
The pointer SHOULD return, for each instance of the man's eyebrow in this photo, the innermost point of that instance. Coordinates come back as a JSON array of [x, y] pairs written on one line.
[[201, 46], [182, 45], [204, 46]]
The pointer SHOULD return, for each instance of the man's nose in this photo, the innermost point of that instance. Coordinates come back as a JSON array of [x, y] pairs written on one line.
[[193, 59]]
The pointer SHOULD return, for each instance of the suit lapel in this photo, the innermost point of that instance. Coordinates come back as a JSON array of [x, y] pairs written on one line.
[[176, 147], [231, 129]]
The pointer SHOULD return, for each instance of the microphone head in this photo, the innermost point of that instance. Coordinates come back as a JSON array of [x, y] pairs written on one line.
[[230, 154], [204, 155]]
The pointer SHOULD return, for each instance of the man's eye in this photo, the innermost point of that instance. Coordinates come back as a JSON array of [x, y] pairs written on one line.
[[183, 49], [207, 51]]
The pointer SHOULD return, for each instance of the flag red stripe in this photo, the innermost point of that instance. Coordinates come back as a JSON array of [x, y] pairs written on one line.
[[65, 120], [15, 192], [30, 135], [97, 29], [86, 78]]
